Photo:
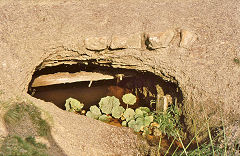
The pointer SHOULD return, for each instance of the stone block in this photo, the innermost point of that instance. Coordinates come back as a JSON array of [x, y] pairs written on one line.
[[118, 42], [133, 41], [160, 40], [96, 43], [187, 38]]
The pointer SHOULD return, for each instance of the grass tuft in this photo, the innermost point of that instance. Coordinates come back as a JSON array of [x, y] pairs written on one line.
[[15, 145], [18, 111], [236, 60], [216, 144]]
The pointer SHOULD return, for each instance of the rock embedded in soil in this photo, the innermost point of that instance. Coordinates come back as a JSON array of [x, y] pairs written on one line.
[[130, 41], [118, 42], [160, 40], [96, 43], [187, 38], [134, 41]]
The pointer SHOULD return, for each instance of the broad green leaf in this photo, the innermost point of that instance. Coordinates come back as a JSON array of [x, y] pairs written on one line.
[[90, 115], [138, 128], [140, 124], [129, 114], [135, 125], [117, 111], [146, 109], [139, 113], [73, 105], [107, 103], [131, 123], [94, 112], [140, 121], [104, 118], [129, 99], [148, 120]]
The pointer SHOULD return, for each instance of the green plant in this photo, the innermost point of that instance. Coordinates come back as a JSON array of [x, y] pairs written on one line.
[[169, 122], [32, 140], [106, 104], [168, 147], [135, 125], [140, 123], [206, 149], [129, 99], [73, 105], [128, 114], [212, 146], [142, 110], [236, 60], [159, 146], [117, 111], [15, 145], [105, 118], [94, 112], [210, 137], [139, 119], [18, 111], [138, 113]]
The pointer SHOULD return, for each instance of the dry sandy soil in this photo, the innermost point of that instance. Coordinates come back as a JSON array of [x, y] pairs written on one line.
[[34, 34]]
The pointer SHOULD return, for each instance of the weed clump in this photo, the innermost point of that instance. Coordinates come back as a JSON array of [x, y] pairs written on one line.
[[19, 111], [157, 125], [237, 61], [16, 145], [150, 124], [24, 123]]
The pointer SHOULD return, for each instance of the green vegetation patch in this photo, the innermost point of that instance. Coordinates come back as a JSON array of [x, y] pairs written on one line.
[[169, 122], [18, 111], [237, 61], [141, 120], [73, 105], [15, 145]]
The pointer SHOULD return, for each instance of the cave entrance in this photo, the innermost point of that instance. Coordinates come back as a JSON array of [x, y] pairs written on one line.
[[90, 82]]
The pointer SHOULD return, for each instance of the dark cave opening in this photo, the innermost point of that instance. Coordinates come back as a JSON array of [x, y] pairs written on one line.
[[145, 85], [140, 83]]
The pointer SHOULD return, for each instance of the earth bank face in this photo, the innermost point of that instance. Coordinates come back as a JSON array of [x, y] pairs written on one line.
[[189, 43]]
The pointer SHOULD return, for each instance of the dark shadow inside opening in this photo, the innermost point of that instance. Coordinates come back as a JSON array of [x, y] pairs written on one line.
[[133, 83]]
